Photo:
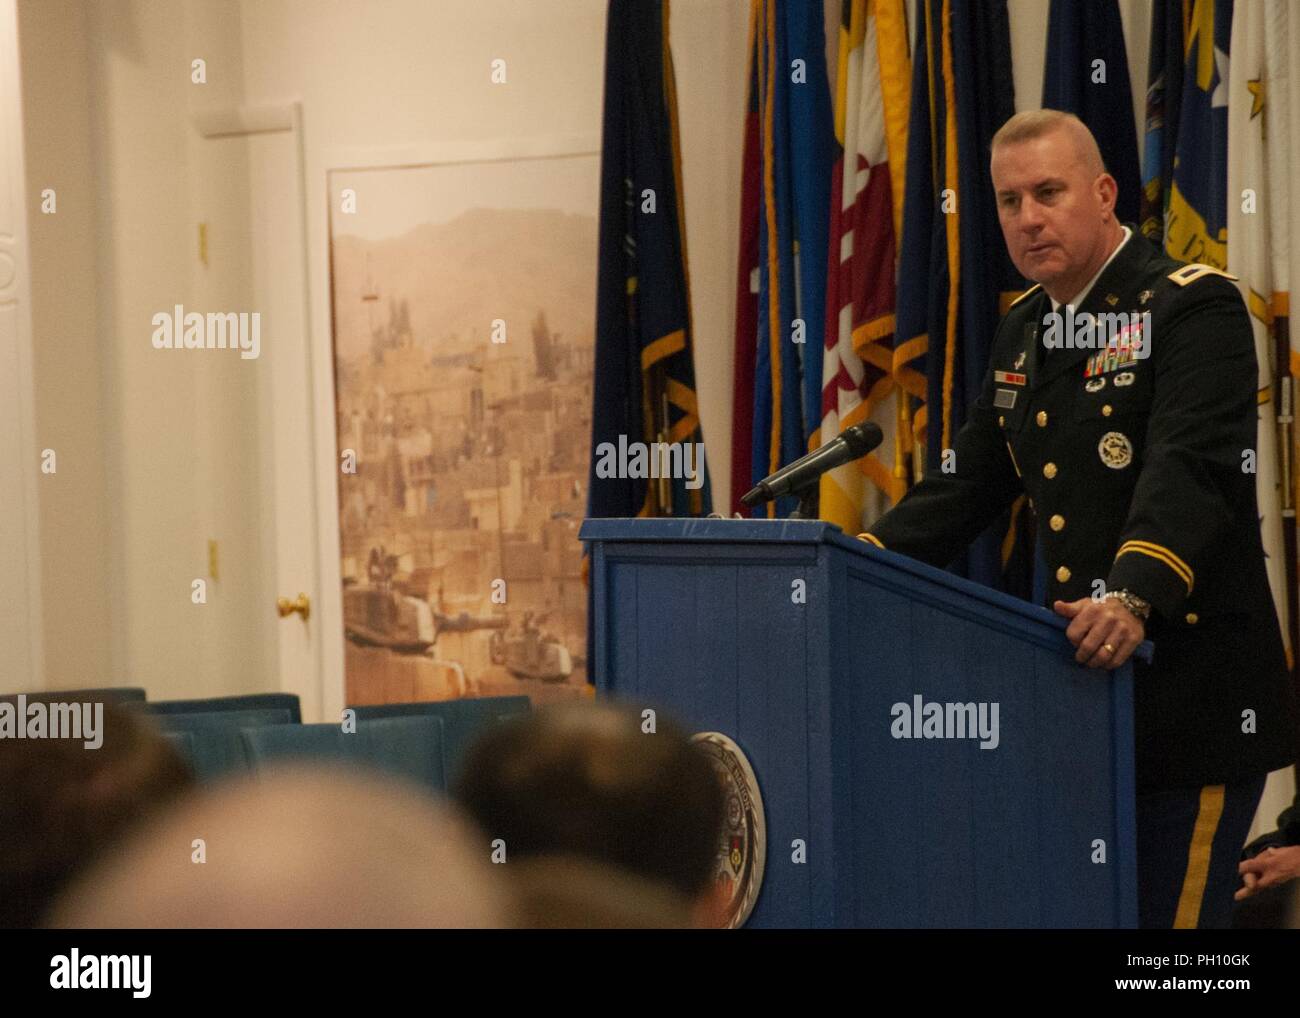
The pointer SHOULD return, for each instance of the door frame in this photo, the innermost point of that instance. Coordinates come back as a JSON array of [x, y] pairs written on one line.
[[318, 701]]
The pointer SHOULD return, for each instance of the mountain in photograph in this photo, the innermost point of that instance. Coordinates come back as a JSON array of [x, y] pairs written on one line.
[[458, 275]]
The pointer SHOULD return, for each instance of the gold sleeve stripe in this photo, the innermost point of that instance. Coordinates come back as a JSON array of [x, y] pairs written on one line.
[[873, 539], [1181, 566], [1162, 554]]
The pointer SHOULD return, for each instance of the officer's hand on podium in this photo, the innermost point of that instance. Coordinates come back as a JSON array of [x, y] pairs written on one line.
[[1105, 632]]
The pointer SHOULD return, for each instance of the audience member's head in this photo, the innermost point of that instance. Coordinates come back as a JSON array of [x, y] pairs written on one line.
[[585, 781], [566, 892], [64, 804], [298, 848]]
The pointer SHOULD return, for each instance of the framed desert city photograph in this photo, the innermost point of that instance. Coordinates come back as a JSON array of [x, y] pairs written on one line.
[[463, 308]]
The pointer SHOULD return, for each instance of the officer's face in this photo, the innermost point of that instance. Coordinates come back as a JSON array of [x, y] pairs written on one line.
[[1054, 212]]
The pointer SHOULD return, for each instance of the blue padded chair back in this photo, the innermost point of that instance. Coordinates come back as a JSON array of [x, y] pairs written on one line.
[[183, 743], [405, 747], [462, 721], [248, 701], [214, 747], [112, 694]]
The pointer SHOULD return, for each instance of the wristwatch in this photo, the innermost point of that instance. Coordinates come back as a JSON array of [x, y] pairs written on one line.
[[1131, 601]]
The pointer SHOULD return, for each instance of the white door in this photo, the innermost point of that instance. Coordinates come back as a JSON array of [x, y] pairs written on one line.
[[248, 191]]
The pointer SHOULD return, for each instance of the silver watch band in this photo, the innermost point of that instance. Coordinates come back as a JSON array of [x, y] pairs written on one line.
[[1132, 602]]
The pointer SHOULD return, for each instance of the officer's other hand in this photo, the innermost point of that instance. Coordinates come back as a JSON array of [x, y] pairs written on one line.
[[1274, 865], [1098, 623]]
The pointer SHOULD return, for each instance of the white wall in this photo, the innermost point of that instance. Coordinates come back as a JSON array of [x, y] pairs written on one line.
[[20, 582], [68, 363], [153, 450]]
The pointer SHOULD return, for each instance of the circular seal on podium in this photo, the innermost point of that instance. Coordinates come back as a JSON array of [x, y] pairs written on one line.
[[742, 849]]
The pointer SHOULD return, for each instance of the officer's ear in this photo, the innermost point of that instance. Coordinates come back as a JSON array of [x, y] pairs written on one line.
[[1107, 192]]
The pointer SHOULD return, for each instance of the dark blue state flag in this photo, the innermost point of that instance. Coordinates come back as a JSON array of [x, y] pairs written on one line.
[[1163, 109], [644, 378], [1196, 226], [1086, 73], [955, 277], [647, 448]]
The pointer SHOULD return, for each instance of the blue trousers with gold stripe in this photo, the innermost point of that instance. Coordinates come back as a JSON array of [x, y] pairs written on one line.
[[1189, 842]]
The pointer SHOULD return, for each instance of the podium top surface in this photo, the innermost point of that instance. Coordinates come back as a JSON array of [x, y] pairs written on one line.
[[811, 532]]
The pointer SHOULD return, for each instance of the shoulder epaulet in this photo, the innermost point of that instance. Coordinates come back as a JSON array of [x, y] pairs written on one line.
[[1191, 273], [1033, 289]]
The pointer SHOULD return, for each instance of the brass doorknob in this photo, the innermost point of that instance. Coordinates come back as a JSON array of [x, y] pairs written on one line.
[[302, 606]]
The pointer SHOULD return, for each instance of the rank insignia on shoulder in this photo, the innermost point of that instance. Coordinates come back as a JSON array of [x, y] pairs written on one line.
[[1008, 378], [1191, 273]]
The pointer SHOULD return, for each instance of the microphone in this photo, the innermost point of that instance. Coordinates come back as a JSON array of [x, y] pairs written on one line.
[[852, 443]]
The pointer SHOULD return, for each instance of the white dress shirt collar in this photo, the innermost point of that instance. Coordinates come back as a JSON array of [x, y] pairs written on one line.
[[1079, 298]]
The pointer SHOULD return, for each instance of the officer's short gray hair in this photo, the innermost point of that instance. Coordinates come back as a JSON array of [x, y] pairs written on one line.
[[1030, 124]]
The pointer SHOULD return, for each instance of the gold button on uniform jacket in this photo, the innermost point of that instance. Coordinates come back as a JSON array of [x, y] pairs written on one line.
[[1136, 458]]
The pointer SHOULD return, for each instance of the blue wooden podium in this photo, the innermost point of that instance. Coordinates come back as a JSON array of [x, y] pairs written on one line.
[[803, 645]]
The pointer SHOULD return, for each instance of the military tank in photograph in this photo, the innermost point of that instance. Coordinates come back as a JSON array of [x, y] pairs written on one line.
[[530, 653], [377, 615]]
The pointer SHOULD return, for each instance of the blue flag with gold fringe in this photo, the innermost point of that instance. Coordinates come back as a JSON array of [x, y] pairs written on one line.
[[1164, 106], [646, 442], [795, 151], [1197, 224], [955, 277]]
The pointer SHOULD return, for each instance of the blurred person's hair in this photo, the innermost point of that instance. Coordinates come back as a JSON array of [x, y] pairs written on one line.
[[583, 780], [297, 847], [565, 892], [63, 805]]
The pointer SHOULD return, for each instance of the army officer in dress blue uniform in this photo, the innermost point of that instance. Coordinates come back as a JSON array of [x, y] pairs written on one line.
[[1135, 457]]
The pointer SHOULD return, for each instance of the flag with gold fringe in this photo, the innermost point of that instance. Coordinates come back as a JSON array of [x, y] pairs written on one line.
[[644, 378], [1163, 108], [955, 277], [781, 294], [873, 85]]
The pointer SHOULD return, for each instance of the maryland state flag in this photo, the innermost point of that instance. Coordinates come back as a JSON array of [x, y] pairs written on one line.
[[644, 410], [955, 277], [785, 215], [1196, 229], [1086, 73], [1163, 109], [857, 378]]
